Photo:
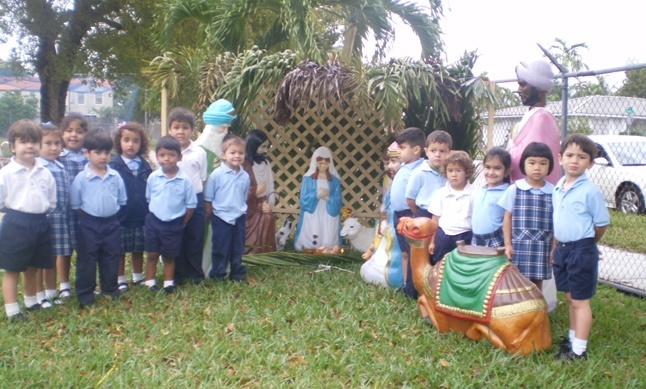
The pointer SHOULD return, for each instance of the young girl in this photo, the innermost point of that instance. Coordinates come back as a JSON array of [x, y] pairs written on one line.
[[58, 217], [487, 214], [132, 146], [452, 206], [319, 223], [527, 224], [74, 128]]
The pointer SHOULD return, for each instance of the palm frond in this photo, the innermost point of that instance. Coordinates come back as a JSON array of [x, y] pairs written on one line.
[[285, 259]]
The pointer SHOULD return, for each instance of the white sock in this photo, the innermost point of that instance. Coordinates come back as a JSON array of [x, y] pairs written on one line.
[[570, 335], [122, 280], [64, 285], [40, 296], [579, 346], [50, 293], [149, 283], [169, 283], [12, 309], [30, 301], [136, 277]]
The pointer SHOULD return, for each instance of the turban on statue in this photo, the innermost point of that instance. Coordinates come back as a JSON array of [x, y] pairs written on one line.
[[219, 112], [537, 73], [392, 150]]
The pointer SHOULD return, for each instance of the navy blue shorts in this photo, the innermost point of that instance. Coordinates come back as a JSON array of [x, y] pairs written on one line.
[[576, 267], [163, 237], [26, 241]]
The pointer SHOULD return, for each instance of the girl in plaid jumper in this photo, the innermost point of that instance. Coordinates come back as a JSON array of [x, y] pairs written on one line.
[[52, 144], [527, 225]]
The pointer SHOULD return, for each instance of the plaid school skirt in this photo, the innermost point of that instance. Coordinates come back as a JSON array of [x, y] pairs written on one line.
[[492, 239], [61, 235]]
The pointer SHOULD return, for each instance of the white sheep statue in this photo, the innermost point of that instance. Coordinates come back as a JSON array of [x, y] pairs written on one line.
[[360, 237]]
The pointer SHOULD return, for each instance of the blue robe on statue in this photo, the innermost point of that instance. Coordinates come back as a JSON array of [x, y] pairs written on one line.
[[319, 222]]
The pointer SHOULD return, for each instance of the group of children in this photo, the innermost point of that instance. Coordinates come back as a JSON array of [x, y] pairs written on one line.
[[63, 191], [543, 228]]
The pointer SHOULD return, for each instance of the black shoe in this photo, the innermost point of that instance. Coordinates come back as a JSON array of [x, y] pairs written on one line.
[[86, 305], [35, 307], [17, 318], [45, 304], [154, 288], [123, 287], [58, 301], [137, 283], [564, 345], [170, 289], [570, 356], [64, 294]]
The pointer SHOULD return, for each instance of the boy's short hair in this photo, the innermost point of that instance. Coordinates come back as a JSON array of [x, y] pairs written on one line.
[[134, 127], [537, 149], [586, 144], [97, 140], [413, 136], [70, 117], [459, 157], [24, 129], [48, 128], [441, 137], [169, 143], [230, 140], [181, 114]]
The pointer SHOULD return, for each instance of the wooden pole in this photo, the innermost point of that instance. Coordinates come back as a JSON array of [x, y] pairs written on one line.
[[490, 121], [164, 112]]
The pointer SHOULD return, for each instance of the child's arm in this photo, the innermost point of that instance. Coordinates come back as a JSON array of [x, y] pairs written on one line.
[[411, 204], [506, 231], [208, 210], [187, 215], [598, 232], [431, 247]]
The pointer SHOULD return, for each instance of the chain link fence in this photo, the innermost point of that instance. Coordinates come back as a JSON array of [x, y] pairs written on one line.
[[618, 125]]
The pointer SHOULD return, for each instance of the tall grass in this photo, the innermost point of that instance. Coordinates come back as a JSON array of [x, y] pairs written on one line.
[[296, 327]]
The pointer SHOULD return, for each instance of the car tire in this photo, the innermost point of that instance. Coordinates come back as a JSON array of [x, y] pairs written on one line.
[[630, 200]]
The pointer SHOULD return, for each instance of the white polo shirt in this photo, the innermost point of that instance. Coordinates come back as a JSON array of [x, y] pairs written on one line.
[[193, 164], [27, 191], [454, 207]]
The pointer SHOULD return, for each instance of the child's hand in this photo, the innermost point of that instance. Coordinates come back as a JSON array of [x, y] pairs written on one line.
[[207, 217], [509, 252], [431, 248]]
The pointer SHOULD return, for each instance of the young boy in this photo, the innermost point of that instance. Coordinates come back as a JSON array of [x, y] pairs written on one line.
[[27, 191], [97, 194], [74, 127], [426, 179], [172, 200], [580, 220], [411, 143], [225, 196], [452, 206], [188, 265]]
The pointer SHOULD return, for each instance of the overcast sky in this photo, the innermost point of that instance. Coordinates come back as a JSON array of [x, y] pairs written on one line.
[[506, 32]]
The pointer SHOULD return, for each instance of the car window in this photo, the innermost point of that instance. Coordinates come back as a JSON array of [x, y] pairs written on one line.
[[629, 154]]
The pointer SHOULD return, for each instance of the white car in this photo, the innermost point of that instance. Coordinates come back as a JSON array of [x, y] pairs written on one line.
[[620, 171]]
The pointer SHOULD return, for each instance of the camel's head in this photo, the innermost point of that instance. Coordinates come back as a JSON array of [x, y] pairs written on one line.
[[417, 230]]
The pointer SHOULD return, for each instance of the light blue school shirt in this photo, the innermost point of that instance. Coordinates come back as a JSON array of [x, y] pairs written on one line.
[[76, 156], [578, 210], [508, 198], [399, 184], [423, 182], [487, 214], [227, 190], [98, 196], [168, 198], [133, 164]]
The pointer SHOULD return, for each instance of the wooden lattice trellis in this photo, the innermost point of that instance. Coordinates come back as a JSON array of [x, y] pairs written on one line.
[[354, 134]]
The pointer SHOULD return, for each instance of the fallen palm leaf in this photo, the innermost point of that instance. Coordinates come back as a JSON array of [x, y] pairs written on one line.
[[283, 259]]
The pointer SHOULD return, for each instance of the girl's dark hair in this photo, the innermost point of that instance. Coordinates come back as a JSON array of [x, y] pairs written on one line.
[[254, 139], [24, 129], [169, 143], [134, 127], [97, 140], [70, 117], [504, 156], [537, 149]]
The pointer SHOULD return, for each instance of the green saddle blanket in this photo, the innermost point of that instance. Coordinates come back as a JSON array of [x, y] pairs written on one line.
[[466, 284]]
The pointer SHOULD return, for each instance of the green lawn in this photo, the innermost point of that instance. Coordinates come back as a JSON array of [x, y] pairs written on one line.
[[303, 329], [626, 232]]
